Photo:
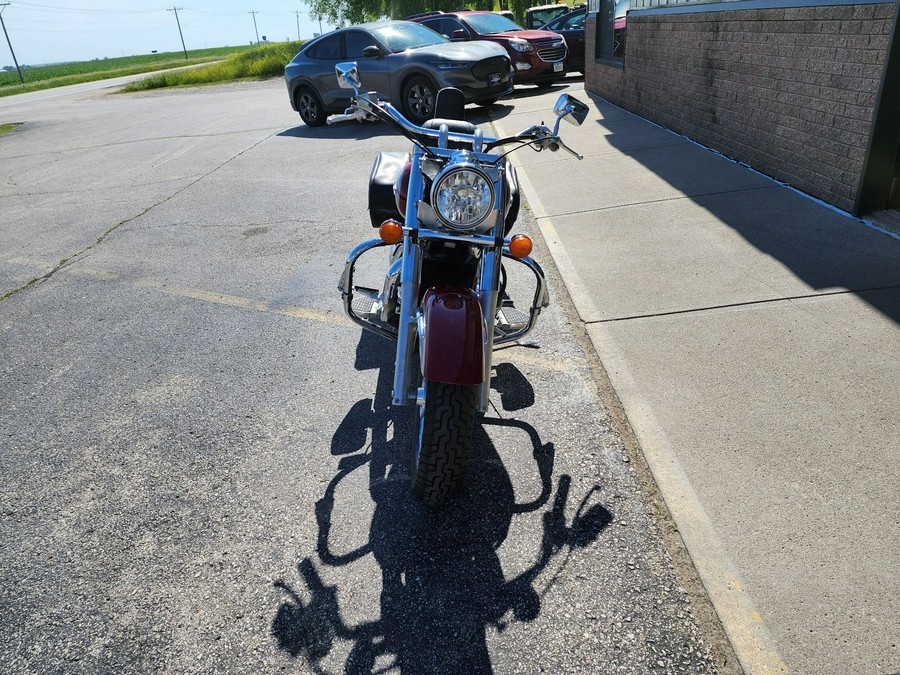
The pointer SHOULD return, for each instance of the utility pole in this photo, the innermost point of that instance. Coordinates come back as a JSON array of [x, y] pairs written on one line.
[[254, 13], [4, 5], [175, 9], [297, 14]]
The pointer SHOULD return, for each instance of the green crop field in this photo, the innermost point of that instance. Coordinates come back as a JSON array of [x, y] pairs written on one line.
[[57, 75], [260, 62]]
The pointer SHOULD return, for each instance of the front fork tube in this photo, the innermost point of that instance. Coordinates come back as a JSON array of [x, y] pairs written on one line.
[[487, 290], [410, 274]]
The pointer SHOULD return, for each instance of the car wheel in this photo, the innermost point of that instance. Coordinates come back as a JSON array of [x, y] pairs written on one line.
[[311, 111], [418, 99]]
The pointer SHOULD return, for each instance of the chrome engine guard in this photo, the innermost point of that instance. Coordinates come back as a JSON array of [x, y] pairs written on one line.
[[506, 328]]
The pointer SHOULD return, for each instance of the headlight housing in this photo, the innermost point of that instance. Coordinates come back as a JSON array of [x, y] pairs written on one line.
[[462, 196], [451, 65], [521, 45]]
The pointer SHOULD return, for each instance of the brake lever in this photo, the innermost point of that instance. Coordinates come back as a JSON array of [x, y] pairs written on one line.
[[560, 144]]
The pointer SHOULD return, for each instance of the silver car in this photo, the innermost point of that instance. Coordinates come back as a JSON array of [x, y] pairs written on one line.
[[404, 62]]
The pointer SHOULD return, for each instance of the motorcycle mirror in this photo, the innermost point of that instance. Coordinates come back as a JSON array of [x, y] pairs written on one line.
[[570, 109], [347, 75]]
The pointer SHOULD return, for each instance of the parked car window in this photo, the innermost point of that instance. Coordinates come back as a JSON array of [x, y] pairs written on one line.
[[488, 23], [354, 43], [400, 36], [434, 24], [571, 22], [449, 25], [539, 16], [445, 25], [442, 26], [328, 49]]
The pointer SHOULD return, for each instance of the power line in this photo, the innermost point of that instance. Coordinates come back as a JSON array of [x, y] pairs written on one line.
[[34, 7], [180, 34], [3, 6], [70, 31]]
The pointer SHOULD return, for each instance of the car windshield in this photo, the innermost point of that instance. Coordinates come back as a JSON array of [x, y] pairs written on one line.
[[401, 36], [488, 23]]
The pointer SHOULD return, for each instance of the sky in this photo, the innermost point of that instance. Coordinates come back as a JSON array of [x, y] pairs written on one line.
[[54, 31]]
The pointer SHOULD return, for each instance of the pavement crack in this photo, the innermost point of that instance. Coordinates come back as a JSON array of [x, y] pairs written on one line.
[[661, 200], [66, 262], [111, 144], [748, 303]]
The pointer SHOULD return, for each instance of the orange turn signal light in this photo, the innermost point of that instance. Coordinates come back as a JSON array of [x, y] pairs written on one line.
[[391, 232], [520, 246]]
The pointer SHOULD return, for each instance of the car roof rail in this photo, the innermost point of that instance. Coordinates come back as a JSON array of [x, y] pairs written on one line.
[[423, 14]]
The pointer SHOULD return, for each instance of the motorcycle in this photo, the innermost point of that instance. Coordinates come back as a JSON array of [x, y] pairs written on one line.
[[444, 214]]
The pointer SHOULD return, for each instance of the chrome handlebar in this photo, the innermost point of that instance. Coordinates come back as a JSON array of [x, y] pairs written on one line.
[[362, 107]]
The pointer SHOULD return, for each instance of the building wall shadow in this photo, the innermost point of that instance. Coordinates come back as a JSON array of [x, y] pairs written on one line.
[[824, 248]]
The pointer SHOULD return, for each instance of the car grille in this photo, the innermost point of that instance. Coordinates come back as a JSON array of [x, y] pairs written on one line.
[[551, 51], [495, 64]]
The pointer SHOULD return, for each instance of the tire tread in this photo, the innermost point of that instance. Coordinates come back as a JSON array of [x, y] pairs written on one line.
[[446, 441]]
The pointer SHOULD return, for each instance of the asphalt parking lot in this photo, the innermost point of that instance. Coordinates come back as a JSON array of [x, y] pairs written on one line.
[[201, 469]]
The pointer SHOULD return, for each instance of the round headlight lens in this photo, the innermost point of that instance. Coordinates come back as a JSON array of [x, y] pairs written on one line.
[[463, 198]]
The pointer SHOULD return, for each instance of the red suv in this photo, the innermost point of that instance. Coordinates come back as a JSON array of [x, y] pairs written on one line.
[[537, 56]]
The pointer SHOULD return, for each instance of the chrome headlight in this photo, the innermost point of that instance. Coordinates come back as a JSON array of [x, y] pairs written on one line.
[[462, 197]]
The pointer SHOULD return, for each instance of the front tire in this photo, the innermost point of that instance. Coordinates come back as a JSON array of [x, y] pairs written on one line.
[[419, 96], [311, 110], [446, 420]]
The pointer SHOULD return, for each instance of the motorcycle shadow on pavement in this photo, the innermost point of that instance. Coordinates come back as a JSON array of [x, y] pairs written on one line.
[[442, 583], [346, 130]]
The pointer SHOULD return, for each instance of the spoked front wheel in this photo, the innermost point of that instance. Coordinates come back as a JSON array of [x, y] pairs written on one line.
[[446, 420]]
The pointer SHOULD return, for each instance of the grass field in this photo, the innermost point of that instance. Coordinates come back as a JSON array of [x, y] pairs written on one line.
[[260, 62], [58, 75]]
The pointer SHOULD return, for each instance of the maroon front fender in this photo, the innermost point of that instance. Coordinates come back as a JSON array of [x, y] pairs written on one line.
[[453, 348]]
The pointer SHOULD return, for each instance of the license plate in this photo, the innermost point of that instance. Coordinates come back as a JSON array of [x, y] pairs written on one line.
[[557, 67], [494, 79]]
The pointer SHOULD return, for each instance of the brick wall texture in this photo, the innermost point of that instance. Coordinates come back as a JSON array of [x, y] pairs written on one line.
[[790, 92]]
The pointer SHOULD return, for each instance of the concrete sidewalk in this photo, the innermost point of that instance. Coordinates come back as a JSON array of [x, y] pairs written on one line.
[[752, 336]]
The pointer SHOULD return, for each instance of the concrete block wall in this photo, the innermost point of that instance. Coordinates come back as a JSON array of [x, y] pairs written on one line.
[[789, 91]]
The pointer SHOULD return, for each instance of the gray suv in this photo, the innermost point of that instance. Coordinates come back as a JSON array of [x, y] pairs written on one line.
[[404, 62]]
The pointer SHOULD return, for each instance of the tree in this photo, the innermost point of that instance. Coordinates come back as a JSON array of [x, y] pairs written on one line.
[[349, 12]]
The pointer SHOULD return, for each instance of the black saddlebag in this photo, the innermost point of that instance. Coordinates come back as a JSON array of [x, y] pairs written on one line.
[[385, 172]]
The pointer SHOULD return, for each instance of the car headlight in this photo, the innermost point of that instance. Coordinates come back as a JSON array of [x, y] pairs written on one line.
[[521, 46], [450, 65], [462, 197]]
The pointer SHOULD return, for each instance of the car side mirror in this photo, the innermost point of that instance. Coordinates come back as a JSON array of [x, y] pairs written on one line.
[[371, 52], [460, 34], [570, 109], [348, 76]]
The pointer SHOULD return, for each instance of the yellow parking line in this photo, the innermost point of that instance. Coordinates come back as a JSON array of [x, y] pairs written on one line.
[[516, 356], [194, 293]]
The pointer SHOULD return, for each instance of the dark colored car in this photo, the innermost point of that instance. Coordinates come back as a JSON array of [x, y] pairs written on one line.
[[571, 27], [538, 56], [405, 62]]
